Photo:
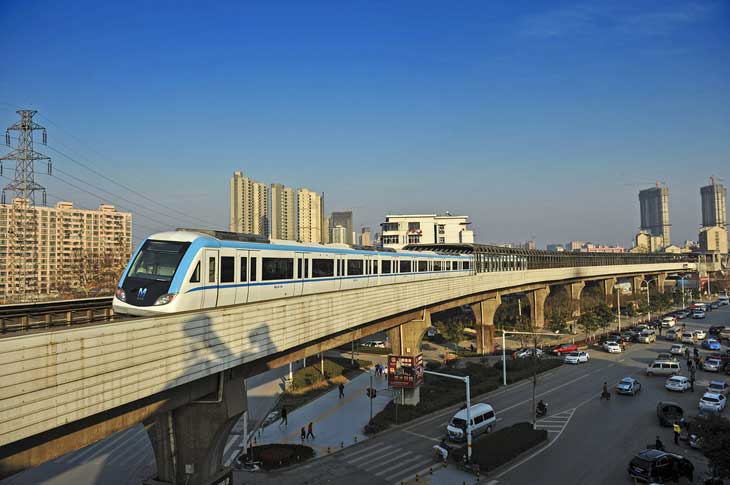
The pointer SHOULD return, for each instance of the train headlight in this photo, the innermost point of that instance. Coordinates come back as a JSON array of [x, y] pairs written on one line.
[[121, 295], [165, 299]]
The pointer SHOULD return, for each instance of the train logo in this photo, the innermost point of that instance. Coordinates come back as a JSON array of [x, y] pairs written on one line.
[[141, 293]]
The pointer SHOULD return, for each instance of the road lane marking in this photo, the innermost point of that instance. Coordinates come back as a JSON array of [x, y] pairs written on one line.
[[366, 448], [397, 465], [421, 436], [397, 457], [418, 466], [375, 452]]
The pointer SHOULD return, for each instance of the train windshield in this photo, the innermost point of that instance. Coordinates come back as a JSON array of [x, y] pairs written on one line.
[[158, 260]]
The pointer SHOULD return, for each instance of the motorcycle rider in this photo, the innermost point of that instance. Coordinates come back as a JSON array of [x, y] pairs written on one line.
[[541, 407]]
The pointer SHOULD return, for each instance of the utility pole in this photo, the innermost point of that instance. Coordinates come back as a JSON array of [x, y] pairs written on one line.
[[22, 273]]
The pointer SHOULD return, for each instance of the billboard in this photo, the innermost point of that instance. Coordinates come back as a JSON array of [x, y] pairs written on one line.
[[405, 370]]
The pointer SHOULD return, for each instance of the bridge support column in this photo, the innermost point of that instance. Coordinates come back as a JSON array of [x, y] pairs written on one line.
[[660, 279], [189, 441], [405, 339], [636, 282], [537, 306], [607, 287], [575, 290], [484, 315]]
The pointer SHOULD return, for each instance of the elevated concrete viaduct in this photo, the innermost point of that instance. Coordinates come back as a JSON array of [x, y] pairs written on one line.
[[182, 374]]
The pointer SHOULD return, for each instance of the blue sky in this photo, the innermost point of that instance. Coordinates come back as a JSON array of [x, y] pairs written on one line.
[[535, 119]]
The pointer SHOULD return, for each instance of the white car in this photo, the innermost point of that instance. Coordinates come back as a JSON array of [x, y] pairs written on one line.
[[712, 402], [611, 347], [700, 334], [677, 383], [576, 357], [668, 322], [712, 365], [698, 314], [688, 338], [719, 387], [377, 344], [677, 349]]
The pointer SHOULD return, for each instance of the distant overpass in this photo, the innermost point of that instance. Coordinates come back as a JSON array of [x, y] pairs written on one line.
[[183, 374]]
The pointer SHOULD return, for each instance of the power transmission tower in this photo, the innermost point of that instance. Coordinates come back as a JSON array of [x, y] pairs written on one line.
[[21, 280]]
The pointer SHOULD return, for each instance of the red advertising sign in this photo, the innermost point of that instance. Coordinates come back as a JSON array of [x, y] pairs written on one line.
[[405, 370]]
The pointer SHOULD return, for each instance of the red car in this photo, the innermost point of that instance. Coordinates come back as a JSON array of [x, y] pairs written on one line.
[[564, 348]]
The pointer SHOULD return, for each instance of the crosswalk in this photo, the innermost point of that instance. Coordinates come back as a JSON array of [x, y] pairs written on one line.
[[386, 461], [556, 423]]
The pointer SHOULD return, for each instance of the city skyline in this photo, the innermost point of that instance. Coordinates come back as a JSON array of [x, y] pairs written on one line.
[[534, 121]]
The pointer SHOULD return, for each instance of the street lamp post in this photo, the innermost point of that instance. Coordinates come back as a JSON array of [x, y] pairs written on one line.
[[618, 306], [682, 280], [465, 380], [648, 302]]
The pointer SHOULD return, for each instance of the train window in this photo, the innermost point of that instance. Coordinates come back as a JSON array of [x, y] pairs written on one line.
[[228, 269], [354, 267], [211, 270], [253, 268], [306, 268], [437, 265], [385, 266], [375, 267], [467, 264], [322, 268], [422, 266], [244, 270], [405, 266], [277, 269], [299, 269], [195, 277]]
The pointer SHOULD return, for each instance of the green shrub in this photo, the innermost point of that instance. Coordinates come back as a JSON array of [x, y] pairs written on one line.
[[495, 449]]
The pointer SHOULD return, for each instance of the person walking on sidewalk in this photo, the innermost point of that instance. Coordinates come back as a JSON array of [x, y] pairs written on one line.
[[304, 434], [342, 390], [309, 430], [284, 420], [677, 429]]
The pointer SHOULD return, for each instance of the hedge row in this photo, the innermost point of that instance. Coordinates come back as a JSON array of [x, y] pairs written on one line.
[[495, 449]]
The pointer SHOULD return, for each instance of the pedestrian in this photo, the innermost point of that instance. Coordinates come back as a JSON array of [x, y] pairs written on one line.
[[696, 352], [689, 363], [309, 430], [660, 330], [686, 353], [692, 383], [342, 390], [304, 434], [471, 347], [284, 420], [677, 429]]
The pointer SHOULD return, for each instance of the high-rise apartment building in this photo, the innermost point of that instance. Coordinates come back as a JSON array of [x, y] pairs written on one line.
[[366, 238], [339, 235], [654, 207], [343, 219], [714, 209], [77, 251], [310, 216], [249, 205], [283, 212]]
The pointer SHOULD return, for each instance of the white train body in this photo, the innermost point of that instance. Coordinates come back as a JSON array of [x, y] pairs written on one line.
[[184, 270]]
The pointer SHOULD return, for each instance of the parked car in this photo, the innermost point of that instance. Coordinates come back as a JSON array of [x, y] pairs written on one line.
[[719, 387], [659, 466], [668, 413], [677, 383], [672, 334], [698, 315], [628, 385], [712, 365], [378, 344], [677, 349], [668, 322], [647, 337], [577, 357], [666, 356], [527, 353], [564, 349], [628, 337], [714, 305], [688, 338], [716, 329], [681, 314], [712, 402], [611, 347], [711, 344]]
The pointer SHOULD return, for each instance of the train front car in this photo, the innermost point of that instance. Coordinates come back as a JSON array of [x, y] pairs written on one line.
[[150, 283]]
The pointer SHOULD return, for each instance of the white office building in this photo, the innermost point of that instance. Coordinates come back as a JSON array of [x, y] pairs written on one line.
[[399, 230]]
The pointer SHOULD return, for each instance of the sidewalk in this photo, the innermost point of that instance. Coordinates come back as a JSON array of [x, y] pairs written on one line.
[[337, 422]]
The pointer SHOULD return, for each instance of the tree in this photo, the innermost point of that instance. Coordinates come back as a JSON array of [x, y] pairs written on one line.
[[603, 315], [588, 323], [452, 331], [714, 431]]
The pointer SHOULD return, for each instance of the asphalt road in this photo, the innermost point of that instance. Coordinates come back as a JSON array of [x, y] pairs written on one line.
[[590, 440]]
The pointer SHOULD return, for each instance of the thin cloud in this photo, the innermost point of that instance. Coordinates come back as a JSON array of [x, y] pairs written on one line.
[[595, 19]]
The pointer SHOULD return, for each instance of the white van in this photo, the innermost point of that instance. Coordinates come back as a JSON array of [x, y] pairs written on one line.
[[669, 322], [663, 368], [482, 420]]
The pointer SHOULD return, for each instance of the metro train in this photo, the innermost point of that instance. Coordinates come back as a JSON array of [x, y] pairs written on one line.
[[191, 270]]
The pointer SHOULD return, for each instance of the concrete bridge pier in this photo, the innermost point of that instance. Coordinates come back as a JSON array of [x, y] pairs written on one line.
[[575, 290], [189, 441], [660, 279], [537, 306], [636, 282], [607, 289], [405, 339], [484, 315]]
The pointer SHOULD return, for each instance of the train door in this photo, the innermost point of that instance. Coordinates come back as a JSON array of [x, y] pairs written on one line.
[[242, 276], [254, 286], [302, 273], [210, 273], [227, 277]]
